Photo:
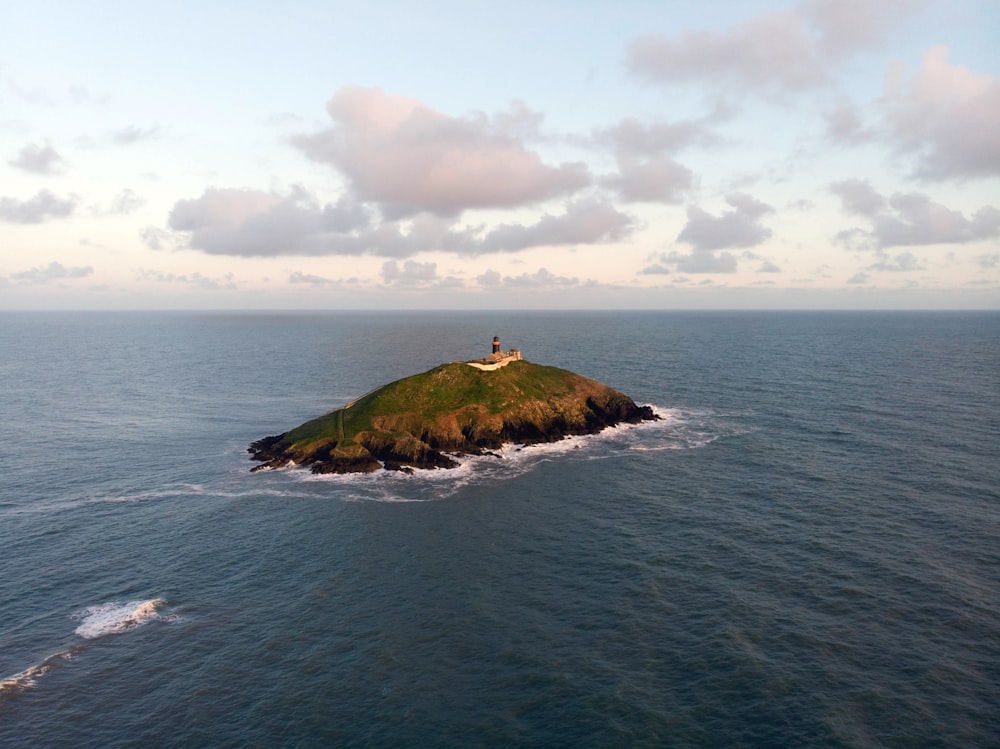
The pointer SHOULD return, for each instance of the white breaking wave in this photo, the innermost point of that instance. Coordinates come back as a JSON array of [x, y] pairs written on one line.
[[96, 621], [681, 429], [28, 678], [117, 617], [678, 429]]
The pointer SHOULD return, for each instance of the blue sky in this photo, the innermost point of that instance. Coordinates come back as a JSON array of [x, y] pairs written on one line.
[[814, 154]]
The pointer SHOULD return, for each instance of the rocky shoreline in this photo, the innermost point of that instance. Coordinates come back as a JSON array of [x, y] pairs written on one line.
[[412, 437]]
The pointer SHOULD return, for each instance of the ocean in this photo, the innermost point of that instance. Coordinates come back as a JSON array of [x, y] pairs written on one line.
[[805, 551]]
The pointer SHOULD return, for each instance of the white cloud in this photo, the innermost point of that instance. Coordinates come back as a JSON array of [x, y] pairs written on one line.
[[42, 207], [739, 227], [409, 158], [300, 277], [489, 278], [701, 261], [38, 159], [708, 234], [126, 202], [777, 52], [52, 272], [767, 266], [846, 26], [221, 207], [946, 117], [583, 222], [410, 273], [656, 179], [542, 278], [195, 279], [844, 124], [857, 196], [656, 269], [156, 238], [908, 219], [126, 136], [901, 263], [647, 170], [634, 138], [251, 223], [746, 56]]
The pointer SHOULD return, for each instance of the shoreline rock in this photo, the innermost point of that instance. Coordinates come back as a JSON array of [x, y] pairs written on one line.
[[453, 410]]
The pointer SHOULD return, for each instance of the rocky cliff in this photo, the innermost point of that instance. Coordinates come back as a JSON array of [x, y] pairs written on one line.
[[426, 420]]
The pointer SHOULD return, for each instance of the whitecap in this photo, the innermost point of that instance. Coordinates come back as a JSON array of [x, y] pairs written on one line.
[[29, 677], [677, 429], [116, 617]]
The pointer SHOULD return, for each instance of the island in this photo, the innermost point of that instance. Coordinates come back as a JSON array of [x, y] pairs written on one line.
[[461, 408]]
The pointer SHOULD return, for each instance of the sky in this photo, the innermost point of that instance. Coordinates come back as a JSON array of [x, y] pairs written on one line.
[[737, 154]]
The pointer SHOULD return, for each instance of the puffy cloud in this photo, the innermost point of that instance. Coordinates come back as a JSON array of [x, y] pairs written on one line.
[[540, 279], [947, 117], [53, 272], [908, 219], [767, 266], [702, 261], [410, 273], [857, 196], [584, 222], [489, 278], [740, 227], [42, 207], [300, 277], [132, 134], [632, 137], [646, 169], [251, 223], [126, 202], [38, 159], [656, 270], [227, 207], [657, 179], [746, 56], [781, 51], [409, 158], [846, 26], [902, 262], [707, 234], [196, 279], [844, 124], [518, 121], [919, 220], [156, 238]]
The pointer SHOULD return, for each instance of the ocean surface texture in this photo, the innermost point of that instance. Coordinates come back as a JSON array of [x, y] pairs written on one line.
[[804, 552]]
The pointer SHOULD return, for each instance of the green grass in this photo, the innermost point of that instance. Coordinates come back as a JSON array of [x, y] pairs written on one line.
[[441, 391]]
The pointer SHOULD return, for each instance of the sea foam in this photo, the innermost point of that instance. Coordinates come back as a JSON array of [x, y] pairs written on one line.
[[96, 621], [116, 617], [28, 678], [677, 429]]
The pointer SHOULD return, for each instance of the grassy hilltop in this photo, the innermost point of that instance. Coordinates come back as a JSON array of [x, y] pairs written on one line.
[[417, 422]]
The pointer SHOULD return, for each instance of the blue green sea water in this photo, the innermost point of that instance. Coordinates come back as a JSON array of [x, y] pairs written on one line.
[[805, 551]]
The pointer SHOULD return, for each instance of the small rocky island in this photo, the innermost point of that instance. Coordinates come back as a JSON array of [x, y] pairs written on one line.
[[462, 408]]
